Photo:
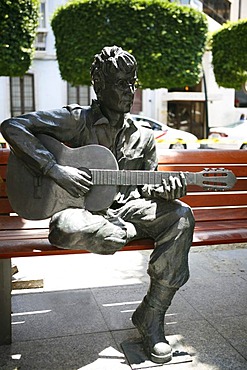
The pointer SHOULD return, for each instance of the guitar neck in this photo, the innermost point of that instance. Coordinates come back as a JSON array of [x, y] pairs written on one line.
[[123, 177]]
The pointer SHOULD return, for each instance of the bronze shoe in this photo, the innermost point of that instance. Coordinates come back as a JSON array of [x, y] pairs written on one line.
[[150, 324]]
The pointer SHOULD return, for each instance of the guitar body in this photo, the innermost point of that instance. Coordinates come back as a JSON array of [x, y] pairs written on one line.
[[39, 197]]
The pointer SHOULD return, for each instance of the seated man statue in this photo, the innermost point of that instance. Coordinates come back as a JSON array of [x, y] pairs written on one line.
[[148, 211]]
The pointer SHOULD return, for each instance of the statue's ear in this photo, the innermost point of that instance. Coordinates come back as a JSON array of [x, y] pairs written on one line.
[[98, 85]]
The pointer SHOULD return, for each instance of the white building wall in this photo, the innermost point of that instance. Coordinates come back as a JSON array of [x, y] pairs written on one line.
[[50, 89], [155, 104], [221, 108], [4, 98], [238, 9]]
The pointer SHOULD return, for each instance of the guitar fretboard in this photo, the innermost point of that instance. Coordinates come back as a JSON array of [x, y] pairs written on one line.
[[122, 177]]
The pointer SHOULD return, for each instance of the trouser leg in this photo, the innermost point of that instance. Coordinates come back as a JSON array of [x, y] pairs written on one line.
[[149, 320], [171, 225], [76, 228]]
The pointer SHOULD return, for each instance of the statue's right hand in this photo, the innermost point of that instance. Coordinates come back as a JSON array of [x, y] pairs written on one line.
[[75, 181]]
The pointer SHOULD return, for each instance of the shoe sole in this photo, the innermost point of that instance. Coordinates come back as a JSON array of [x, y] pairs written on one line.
[[160, 359]]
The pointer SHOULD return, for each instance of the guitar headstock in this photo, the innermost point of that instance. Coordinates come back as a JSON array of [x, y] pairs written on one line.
[[218, 179]]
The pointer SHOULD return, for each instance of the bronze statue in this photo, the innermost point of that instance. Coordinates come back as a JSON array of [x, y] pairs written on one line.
[[137, 211]]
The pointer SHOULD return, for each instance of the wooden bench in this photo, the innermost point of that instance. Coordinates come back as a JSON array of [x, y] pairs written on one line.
[[221, 217]]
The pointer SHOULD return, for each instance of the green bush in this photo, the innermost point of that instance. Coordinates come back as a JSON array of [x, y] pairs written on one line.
[[167, 39], [18, 22], [229, 50]]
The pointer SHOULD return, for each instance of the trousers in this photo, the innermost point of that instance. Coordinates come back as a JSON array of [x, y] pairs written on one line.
[[169, 223]]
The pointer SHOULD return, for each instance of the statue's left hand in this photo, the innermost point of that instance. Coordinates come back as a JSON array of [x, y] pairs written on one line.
[[174, 188]]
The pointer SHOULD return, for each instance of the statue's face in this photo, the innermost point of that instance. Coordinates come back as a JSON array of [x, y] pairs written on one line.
[[119, 90]]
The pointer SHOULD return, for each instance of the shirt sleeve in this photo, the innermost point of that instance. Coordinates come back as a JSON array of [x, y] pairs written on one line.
[[151, 164], [20, 132], [150, 158]]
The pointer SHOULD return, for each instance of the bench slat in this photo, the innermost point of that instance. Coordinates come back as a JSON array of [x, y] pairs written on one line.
[[5, 207], [241, 185], [194, 200], [201, 214], [16, 222], [4, 155], [28, 234], [220, 214], [204, 156], [216, 199], [239, 171]]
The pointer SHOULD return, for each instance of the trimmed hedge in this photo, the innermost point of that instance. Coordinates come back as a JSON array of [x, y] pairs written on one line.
[[229, 50], [18, 22], [167, 39]]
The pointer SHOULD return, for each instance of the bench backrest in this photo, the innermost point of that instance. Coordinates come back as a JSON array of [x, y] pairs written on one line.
[[229, 205]]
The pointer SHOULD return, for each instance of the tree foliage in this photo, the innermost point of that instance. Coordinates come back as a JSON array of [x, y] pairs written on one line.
[[18, 22], [229, 50], [167, 39]]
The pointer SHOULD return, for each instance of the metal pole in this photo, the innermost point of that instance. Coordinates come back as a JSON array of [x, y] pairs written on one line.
[[206, 128]]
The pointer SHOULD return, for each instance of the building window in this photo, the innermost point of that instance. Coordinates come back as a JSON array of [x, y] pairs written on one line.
[[187, 116], [78, 94], [22, 95], [40, 42], [240, 99], [197, 4], [219, 10], [42, 14]]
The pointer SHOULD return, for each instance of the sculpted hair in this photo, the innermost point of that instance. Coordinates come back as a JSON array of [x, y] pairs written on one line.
[[109, 60]]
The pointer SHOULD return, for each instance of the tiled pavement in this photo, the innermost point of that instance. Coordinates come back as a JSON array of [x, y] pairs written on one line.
[[82, 315]]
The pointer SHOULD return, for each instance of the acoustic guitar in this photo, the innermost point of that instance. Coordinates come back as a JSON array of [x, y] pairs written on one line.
[[37, 197]]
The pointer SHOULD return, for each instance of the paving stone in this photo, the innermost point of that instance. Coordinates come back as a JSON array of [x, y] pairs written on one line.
[[53, 314], [88, 351]]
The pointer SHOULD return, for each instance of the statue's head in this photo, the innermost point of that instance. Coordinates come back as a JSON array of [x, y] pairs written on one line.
[[114, 75]]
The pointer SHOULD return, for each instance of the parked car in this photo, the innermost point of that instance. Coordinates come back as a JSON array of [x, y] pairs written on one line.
[[167, 137], [233, 136]]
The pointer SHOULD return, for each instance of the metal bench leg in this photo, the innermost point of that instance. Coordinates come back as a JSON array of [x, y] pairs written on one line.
[[5, 301]]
